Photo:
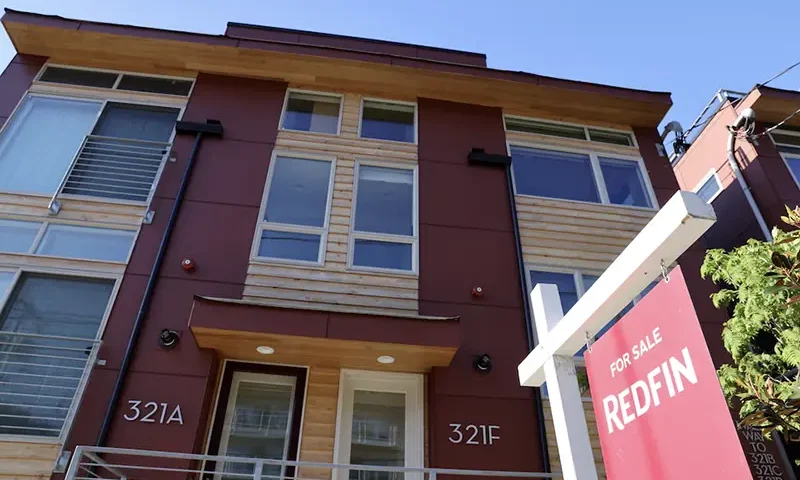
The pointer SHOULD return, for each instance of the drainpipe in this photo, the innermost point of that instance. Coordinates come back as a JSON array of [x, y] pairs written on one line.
[[747, 117], [210, 128], [478, 156]]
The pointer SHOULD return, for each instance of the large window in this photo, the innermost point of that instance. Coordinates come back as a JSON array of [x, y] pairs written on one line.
[[311, 112], [48, 330], [582, 176], [295, 216], [61, 240], [380, 423], [388, 121], [105, 149], [384, 226]]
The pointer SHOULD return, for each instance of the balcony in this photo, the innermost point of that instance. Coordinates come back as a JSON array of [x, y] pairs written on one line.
[[89, 463], [113, 168], [41, 382]]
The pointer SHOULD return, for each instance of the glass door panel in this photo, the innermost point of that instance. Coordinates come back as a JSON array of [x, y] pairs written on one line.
[[378, 433], [258, 422]]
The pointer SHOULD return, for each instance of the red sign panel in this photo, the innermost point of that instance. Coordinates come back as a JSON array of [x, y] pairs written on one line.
[[660, 410]]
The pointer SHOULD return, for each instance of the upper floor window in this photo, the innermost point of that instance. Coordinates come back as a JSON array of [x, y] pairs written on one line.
[[85, 147], [388, 121], [384, 234], [573, 175], [709, 187], [567, 130], [115, 80], [295, 216], [311, 112], [62, 240]]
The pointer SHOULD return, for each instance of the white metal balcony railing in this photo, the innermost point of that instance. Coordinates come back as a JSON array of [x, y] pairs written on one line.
[[374, 432], [114, 168], [91, 463], [249, 421], [42, 378]]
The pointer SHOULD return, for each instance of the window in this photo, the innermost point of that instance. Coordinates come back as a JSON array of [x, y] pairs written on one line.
[[28, 163], [709, 187], [787, 143], [310, 112], [61, 240], [580, 176], [384, 233], [380, 423], [115, 154], [295, 216], [48, 328], [388, 121], [116, 80], [565, 130]]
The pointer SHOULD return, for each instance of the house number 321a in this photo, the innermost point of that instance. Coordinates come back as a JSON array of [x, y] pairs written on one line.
[[147, 413], [474, 434]]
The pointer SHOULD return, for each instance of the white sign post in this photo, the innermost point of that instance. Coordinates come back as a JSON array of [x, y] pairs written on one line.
[[682, 220]]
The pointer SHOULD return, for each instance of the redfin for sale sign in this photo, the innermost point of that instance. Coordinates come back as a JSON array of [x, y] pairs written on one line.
[[660, 411]]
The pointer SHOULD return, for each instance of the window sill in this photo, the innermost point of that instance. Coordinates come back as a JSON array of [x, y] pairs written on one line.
[[382, 140], [583, 202], [287, 262], [383, 271]]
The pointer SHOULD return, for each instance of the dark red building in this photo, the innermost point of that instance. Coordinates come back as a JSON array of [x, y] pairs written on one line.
[[296, 246]]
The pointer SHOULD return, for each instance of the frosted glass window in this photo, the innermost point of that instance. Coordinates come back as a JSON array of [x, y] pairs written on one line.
[[86, 242], [28, 163], [17, 236]]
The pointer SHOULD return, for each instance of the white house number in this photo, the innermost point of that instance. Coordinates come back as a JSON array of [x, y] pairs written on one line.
[[474, 434], [147, 413]]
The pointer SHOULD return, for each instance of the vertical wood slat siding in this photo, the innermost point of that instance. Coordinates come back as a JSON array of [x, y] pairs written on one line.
[[319, 421], [333, 286], [28, 461]]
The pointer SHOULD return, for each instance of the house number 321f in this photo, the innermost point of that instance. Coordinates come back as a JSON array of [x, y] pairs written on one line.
[[147, 413], [474, 434]]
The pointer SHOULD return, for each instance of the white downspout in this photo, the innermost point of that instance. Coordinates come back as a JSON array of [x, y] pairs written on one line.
[[747, 116]]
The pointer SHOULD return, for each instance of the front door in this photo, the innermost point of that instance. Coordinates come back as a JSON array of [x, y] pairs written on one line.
[[260, 413]]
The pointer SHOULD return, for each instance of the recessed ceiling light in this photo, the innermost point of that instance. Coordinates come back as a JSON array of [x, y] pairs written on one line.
[[264, 350], [386, 359]]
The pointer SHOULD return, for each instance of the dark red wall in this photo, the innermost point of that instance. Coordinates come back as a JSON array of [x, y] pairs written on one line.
[[771, 182], [15, 80], [215, 229], [466, 240]]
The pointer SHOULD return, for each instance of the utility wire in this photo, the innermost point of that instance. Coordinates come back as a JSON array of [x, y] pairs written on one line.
[[735, 102]]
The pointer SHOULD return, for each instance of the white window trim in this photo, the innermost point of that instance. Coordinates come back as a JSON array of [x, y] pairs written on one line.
[[594, 159], [712, 173], [102, 96], [44, 224], [785, 156], [81, 387], [585, 128], [412, 385], [283, 227], [354, 234], [119, 74], [395, 102], [289, 91]]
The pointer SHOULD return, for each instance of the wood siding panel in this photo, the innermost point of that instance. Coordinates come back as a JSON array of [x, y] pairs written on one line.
[[72, 210], [594, 437], [333, 286], [319, 421], [576, 235], [29, 461]]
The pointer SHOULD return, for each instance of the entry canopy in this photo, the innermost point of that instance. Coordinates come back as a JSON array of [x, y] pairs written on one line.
[[679, 223]]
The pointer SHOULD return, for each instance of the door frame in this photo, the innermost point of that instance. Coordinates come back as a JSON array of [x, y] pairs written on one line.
[[229, 368], [410, 384]]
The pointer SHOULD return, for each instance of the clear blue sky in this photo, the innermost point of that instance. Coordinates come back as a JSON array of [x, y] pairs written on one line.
[[688, 47]]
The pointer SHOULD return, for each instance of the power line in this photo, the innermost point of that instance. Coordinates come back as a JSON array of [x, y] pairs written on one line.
[[735, 102]]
